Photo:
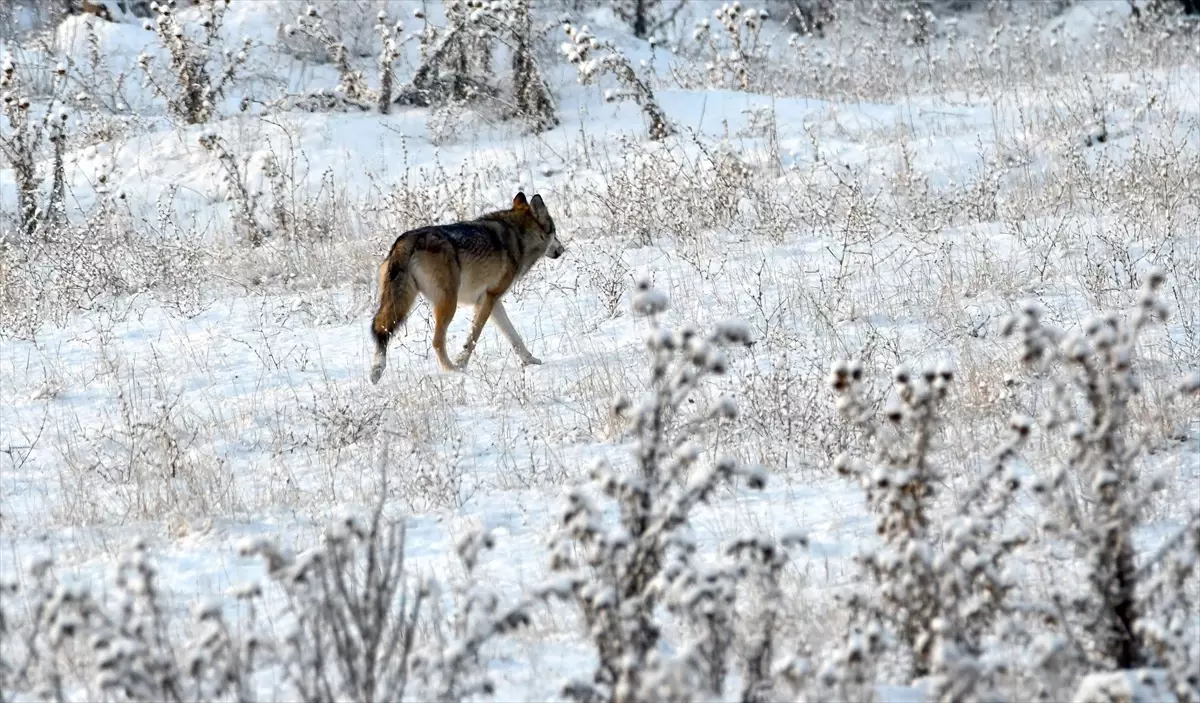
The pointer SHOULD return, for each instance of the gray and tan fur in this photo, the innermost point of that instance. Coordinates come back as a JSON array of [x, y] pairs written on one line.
[[465, 263]]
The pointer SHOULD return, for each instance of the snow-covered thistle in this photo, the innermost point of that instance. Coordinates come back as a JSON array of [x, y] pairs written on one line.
[[940, 593], [1097, 499], [123, 646], [647, 17], [22, 143], [735, 50], [618, 574], [593, 58], [352, 85], [200, 71], [244, 196]]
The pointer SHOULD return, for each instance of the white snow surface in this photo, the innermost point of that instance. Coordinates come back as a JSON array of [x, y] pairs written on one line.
[[250, 374]]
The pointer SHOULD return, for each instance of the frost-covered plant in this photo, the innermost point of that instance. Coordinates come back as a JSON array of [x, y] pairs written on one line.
[[593, 58], [246, 198], [101, 89], [457, 61], [362, 630], [940, 593], [468, 60], [352, 22], [122, 647], [1096, 499], [445, 70], [647, 17], [455, 65], [353, 88], [92, 262], [81, 261], [353, 616], [809, 17], [354, 626], [1171, 593], [200, 71], [449, 667], [735, 50], [531, 98], [618, 574], [22, 142]]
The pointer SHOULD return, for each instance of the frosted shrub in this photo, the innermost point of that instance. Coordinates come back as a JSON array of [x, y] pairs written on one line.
[[455, 64], [91, 262], [808, 17], [352, 22], [943, 598], [199, 70], [22, 143], [352, 86], [594, 58], [72, 644], [1131, 615], [737, 49], [619, 573], [647, 17], [354, 625], [245, 198], [531, 96], [939, 592], [364, 630]]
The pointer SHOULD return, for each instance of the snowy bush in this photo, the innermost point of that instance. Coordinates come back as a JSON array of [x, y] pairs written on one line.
[[531, 97], [352, 87], [27, 135], [940, 592], [737, 50], [455, 65], [244, 197], [1130, 615], [352, 23], [618, 573], [354, 625], [200, 68], [594, 58], [122, 644], [94, 262], [648, 17], [945, 600]]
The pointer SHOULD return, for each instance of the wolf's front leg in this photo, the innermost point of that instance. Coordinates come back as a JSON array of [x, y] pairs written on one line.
[[500, 315]]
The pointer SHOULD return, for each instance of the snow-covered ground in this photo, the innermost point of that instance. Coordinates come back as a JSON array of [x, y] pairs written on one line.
[[235, 403]]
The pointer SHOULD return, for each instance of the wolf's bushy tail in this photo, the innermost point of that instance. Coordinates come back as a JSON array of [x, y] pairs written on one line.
[[397, 292]]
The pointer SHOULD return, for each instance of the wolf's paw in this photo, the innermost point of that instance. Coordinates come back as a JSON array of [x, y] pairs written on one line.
[[530, 360], [461, 360]]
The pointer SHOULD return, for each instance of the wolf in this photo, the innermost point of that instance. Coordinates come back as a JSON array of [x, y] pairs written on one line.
[[465, 263]]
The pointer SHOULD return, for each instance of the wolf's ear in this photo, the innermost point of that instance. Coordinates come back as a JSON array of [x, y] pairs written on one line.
[[520, 200], [539, 205]]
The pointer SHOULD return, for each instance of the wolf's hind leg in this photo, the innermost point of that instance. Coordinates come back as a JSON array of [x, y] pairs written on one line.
[[443, 313], [482, 311], [500, 315]]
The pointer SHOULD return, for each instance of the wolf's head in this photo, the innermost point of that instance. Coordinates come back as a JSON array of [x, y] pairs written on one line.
[[541, 215]]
